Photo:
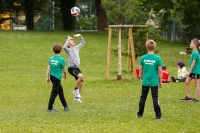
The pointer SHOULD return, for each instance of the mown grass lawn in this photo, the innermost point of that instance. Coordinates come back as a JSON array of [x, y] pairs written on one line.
[[108, 106]]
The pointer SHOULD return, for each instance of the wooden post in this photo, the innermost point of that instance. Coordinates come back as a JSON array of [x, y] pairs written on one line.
[[119, 55], [133, 55], [108, 54], [129, 47]]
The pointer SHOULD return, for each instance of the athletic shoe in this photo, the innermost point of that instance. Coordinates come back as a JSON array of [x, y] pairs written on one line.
[[139, 116], [52, 110], [159, 118], [195, 100], [186, 99], [77, 100], [66, 109], [76, 93]]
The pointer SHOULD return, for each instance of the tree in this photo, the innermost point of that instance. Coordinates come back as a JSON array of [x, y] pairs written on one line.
[[68, 20], [191, 19], [120, 11], [171, 8], [101, 16]]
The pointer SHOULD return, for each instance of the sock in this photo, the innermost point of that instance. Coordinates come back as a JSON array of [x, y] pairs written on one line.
[[75, 88]]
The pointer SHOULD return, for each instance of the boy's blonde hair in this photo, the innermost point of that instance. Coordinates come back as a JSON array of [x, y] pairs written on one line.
[[150, 45]]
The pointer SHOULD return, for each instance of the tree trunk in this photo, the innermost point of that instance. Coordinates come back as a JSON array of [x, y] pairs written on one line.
[[69, 21], [101, 16], [29, 11]]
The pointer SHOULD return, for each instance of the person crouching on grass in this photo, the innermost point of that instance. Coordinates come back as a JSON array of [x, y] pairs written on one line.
[[74, 63], [56, 65], [150, 74], [194, 72]]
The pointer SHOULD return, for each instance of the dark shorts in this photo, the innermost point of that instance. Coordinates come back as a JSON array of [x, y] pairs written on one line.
[[74, 71], [195, 76]]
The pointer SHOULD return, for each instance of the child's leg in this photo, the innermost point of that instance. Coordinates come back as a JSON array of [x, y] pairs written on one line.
[[187, 82], [154, 93], [54, 91], [62, 97], [196, 82], [79, 82], [143, 98]]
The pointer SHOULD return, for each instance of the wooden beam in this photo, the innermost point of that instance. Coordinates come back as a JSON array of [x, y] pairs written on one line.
[[128, 26]]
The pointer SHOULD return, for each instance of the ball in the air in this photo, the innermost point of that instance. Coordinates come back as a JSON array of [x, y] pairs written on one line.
[[75, 11]]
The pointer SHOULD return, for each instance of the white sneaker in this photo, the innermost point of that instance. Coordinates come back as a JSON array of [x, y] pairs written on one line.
[[76, 93], [77, 100]]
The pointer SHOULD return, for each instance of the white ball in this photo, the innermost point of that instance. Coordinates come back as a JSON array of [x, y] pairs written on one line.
[[75, 11]]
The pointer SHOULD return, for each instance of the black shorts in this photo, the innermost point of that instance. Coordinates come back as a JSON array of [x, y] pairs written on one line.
[[74, 71], [195, 76]]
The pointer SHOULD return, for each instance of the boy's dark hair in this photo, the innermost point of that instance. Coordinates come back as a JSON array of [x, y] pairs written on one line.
[[57, 48]]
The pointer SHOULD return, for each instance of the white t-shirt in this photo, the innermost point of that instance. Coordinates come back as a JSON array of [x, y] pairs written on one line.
[[182, 73]]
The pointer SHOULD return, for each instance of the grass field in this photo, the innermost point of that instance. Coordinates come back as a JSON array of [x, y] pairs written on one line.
[[108, 106]]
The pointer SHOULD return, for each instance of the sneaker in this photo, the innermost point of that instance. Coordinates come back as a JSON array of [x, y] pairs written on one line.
[[139, 116], [159, 118], [195, 100], [66, 109], [77, 100], [186, 99], [76, 93], [52, 110]]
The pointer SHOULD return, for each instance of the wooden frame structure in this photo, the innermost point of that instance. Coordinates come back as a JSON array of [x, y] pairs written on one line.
[[130, 49]]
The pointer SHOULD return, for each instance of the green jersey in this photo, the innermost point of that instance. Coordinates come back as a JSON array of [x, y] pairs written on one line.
[[195, 56], [57, 63], [150, 64]]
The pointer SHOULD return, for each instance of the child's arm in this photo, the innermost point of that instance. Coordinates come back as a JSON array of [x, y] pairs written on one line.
[[192, 66], [47, 74], [160, 75], [65, 72], [140, 72], [82, 42], [65, 46]]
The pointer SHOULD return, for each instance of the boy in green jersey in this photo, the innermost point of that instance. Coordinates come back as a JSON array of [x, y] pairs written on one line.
[[194, 72], [151, 74], [56, 65]]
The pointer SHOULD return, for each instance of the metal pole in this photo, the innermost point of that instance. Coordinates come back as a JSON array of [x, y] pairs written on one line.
[[53, 3]]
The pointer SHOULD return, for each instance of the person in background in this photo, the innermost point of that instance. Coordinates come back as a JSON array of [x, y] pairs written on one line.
[[181, 71], [165, 74], [193, 72]]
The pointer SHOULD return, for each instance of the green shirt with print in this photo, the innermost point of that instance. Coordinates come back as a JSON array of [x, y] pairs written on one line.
[[150, 64], [57, 63], [195, 56]]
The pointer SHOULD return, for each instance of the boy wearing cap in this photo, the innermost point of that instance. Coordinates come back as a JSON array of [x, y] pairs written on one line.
[[150, 74], [74, 63], [194, 72]]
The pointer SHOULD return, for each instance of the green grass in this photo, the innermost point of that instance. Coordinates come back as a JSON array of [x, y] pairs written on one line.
[[109, 106]]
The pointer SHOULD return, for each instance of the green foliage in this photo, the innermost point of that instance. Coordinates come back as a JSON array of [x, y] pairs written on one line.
[[87, 23], [166, 9], [191, 17], [118, 11]]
